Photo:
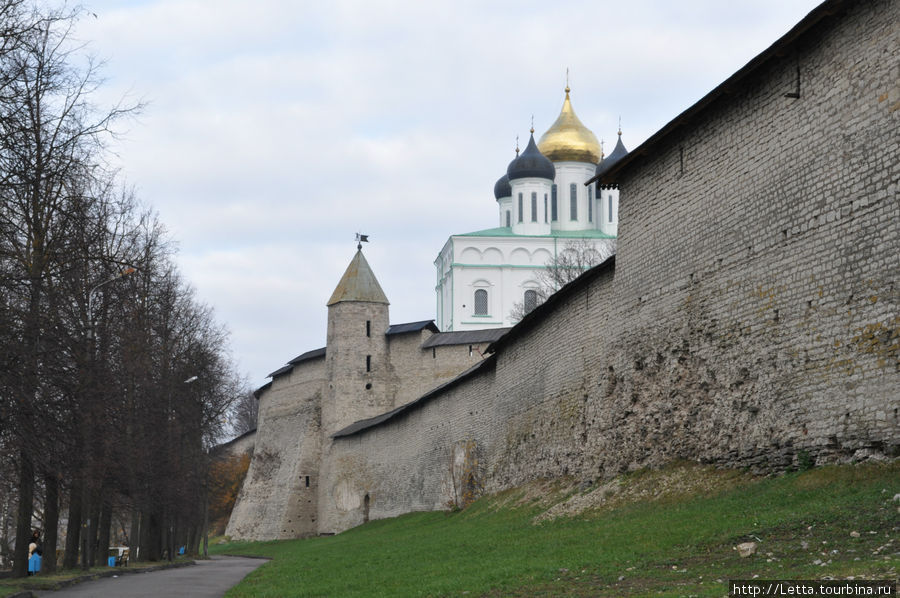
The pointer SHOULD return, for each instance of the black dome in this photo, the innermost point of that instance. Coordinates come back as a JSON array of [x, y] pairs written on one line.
[[502, 188], [531, 163], [617, 154]]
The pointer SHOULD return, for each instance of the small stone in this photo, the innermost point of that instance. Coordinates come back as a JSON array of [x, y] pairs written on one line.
[[804, 544], [621, 577], [745, 549], [818, 562], [854, 534], [897, 497]]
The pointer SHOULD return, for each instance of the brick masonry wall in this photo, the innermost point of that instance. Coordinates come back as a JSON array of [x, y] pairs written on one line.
[[761, 330], [769, 326]]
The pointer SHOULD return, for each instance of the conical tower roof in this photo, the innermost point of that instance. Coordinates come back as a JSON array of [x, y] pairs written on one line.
[[358, 284], [568, 140]]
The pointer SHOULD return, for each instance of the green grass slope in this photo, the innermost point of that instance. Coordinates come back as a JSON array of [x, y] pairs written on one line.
[[652, 533]]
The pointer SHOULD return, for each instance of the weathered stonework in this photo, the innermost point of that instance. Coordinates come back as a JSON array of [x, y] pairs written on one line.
[[766, 333]]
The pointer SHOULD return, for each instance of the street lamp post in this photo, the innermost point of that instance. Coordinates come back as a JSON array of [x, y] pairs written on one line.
[[95, 288], [90, 526]]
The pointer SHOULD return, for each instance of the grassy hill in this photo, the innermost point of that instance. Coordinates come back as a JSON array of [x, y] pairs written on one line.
[[651, 533]]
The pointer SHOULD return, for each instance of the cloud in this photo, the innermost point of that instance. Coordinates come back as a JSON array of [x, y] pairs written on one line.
[[277, 129]]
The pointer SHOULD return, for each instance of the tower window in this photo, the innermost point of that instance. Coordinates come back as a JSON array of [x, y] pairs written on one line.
[[470, 350], [573, 202], [530, 301], [533, 206], [520, 207], [553, 203], [507, 219], [545, 208], [368, 363], [609, 197], [307, 481], [368, 327], [481, 302]]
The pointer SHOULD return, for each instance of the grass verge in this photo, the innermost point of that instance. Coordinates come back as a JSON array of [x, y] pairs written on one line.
[[663, 538]]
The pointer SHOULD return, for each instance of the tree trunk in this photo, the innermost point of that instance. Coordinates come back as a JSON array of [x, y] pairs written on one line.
[[134, 535], [93, 521], [103, 535], [73, 528], [51, 524], [23, 520]]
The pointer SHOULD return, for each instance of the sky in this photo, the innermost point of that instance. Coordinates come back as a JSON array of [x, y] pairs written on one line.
[[275, 130]]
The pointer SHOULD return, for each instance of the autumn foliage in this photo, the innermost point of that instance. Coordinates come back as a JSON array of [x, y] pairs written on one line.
[[226, 474]]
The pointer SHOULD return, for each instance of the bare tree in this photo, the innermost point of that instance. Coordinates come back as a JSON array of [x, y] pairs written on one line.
[[577, 256], [245, 412]]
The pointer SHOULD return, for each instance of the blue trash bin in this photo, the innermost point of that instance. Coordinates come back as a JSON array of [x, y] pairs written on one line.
[[111, 561]]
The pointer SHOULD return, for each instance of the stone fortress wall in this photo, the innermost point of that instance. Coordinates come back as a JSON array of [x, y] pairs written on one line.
[[766, 331], [280, 495]]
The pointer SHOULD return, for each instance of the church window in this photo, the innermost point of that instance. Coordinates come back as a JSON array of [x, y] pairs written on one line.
[[530, 300], [368, 363], [590, 205], [507, 219], [553, 203], [573, 202], [610, 207], [470, 350], [481, 302], [545, 208], [520, 207], [533, 206], [368, 327], [307, 481]]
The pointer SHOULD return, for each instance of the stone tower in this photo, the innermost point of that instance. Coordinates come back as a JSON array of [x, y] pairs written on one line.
[[356, 360]]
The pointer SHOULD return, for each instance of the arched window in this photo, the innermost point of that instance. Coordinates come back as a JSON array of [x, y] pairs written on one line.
[[530, 300], [610, 207], [507, 218], [545, 208], [481, 302], [573, 202], [553, 203], [533, 206], [520, 207]]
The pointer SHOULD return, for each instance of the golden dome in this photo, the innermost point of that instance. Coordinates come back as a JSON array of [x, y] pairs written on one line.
[[567, 140]]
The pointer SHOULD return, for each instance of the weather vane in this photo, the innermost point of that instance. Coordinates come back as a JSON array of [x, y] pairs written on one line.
[[360, 239]]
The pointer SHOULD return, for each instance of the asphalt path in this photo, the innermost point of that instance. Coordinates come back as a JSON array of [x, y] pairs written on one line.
[[207, 579]]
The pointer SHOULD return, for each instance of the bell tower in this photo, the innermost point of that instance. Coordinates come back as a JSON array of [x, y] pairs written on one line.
[[357, 367]]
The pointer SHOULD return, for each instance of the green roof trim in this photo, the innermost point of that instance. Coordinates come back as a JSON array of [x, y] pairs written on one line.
[[504, 231]]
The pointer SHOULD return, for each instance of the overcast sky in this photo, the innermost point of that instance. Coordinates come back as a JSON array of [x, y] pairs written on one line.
[[276, 129]]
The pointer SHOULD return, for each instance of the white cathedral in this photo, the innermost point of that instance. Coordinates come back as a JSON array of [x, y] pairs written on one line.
[[543, 204]]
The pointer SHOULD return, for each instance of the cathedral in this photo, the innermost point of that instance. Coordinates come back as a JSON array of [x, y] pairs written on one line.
[[488, 278]]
